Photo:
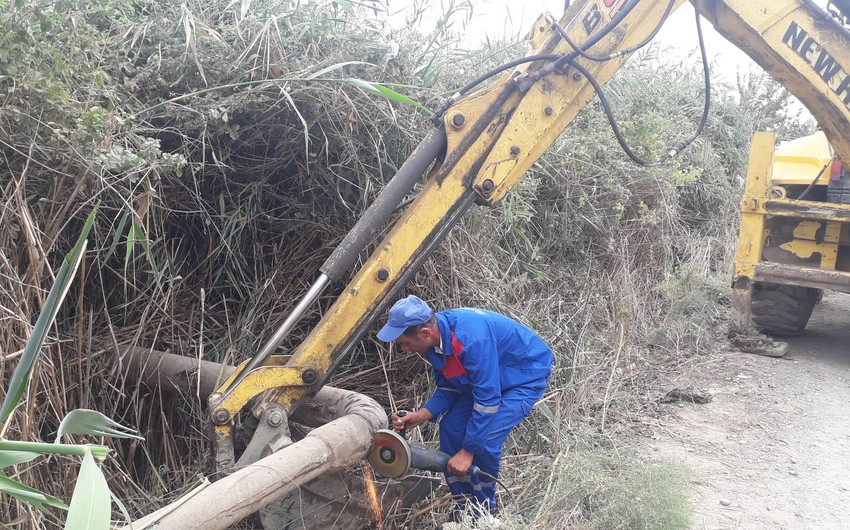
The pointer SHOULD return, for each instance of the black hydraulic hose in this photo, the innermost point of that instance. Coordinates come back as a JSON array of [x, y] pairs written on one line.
[[507, 66], [606, 29], [480, 473], [571, 57], [602, 58], [437, 118], [812, 185], [603, 99], [580, 51], [557, 60]]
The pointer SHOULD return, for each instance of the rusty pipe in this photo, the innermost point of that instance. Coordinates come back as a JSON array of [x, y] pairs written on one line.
[[347, 423]]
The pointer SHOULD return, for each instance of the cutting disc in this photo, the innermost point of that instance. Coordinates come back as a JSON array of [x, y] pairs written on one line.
[[390, 454]]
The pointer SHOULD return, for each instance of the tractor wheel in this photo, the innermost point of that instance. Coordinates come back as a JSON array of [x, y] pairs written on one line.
[[783, 309]]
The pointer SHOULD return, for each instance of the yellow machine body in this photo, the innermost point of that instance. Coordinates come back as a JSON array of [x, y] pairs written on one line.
[[494, 135], [798, 162], [793, 242]]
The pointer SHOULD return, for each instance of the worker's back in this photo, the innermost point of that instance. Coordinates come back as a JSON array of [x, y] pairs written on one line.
[[522, 355]]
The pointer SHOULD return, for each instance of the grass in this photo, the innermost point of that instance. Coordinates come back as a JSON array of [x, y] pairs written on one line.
[[597, 490]]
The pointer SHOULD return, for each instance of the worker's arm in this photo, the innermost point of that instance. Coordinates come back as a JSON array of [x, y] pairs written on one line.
[[481, 359], [443, 398]]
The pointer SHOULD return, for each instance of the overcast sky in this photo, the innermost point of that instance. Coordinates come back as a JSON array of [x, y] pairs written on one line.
[[503, 17], [495, 18], [499, 17]]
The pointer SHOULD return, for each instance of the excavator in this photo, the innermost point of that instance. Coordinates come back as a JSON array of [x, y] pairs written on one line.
[[482, 142]]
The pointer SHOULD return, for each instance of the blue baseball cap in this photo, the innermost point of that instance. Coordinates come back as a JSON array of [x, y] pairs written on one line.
[[406, 312]]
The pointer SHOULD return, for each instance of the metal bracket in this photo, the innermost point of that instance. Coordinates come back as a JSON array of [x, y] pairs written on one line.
[[290, 382], [272, 435]]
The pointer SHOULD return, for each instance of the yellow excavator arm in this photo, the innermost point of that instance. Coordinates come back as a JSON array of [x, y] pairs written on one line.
[[789, 248], [802, 47], [482, 144]]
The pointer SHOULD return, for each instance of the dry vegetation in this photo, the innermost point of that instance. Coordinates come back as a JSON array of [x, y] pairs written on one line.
[[228, 157]]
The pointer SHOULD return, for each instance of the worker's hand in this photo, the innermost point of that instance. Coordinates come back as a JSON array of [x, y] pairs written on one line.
[[410, 420], [459, 463]]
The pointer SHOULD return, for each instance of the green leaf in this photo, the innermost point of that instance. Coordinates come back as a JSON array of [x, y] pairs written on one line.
[[303, 124], [93, 423], [19, 3], [122, 509], [390, 94], [137, 234], [117, 236], [77, 252], [11, 458], [134, 233], [346, 5], [27, 494], [32, 350], [42, 448], [90, 504], [333, 67], [21, 376], [363, 85]]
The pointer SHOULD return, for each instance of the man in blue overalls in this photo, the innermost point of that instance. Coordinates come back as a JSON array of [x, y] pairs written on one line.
[[490, 370]]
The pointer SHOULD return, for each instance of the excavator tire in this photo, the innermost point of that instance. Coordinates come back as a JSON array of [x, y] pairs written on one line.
[[783, 310]]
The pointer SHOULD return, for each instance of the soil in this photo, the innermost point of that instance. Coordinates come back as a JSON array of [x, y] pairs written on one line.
[[771, 449]]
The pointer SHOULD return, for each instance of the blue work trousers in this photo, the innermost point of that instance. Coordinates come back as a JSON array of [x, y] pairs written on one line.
[[515, 405]]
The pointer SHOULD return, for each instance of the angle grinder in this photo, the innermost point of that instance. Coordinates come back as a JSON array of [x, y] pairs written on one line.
[[392, 456]]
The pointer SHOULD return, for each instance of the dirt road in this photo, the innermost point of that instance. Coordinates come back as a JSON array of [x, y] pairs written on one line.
[[772, 448]]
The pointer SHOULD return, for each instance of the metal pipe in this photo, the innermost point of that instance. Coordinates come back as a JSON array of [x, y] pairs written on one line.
[[334, 446], [284, 329], [174, 372]]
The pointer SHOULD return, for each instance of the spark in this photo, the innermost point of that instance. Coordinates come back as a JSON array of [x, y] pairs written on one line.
[[372, 493]]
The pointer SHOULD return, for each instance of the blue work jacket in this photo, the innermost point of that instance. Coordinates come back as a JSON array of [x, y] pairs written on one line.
[[484, 355]]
